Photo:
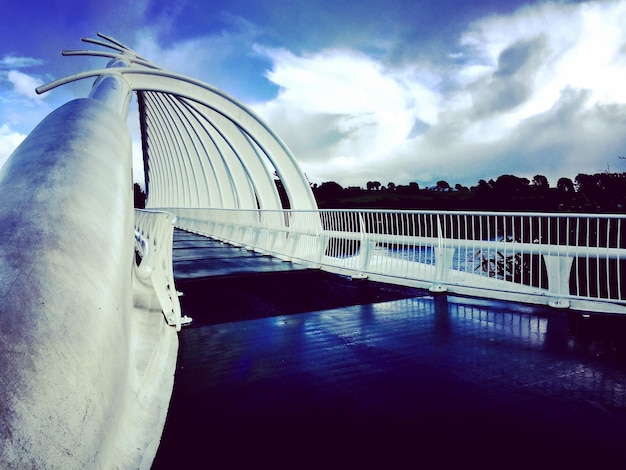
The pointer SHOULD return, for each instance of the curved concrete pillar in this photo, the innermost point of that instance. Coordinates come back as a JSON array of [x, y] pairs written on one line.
[[67, 398]]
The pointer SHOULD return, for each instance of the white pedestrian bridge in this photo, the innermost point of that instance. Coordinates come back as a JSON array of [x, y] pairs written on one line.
[[89, 305]]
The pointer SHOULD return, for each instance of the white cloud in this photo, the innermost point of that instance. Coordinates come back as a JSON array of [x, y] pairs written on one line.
[[24, 84], [9, 140], [582, 50], [340, 110], [14, 62], [540, 91]]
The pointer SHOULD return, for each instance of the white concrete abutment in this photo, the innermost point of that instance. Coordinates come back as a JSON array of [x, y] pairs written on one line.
[[78, 380]]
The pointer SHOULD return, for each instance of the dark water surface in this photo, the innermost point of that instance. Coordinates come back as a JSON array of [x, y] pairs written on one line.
[[297, 369]]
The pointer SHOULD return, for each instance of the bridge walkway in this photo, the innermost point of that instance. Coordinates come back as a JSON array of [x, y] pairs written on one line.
[[291, 368]]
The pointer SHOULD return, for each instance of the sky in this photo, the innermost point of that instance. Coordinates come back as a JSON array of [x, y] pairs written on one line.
[[397, 91]]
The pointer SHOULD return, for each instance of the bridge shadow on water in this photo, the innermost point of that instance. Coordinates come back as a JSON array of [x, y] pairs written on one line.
[[289, 368]]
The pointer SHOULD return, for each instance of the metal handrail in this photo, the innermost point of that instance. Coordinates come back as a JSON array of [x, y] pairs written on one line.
[[561, 260], [154, 232]]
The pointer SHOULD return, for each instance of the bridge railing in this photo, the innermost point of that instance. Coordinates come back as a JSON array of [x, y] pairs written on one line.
[[154, 232], [562, 260]]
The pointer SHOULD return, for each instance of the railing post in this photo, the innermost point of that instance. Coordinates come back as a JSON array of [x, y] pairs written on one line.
[[558, 269], [443, 262], [366, 248], [322, 240], [292, 236]]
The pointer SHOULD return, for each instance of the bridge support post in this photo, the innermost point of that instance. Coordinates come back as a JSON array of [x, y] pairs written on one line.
[[558, 268], [366, 246], [365, 255], [443, 264]]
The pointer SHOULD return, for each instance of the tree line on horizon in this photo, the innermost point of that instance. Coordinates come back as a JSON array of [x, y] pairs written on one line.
[[599, 192], [603, 192]]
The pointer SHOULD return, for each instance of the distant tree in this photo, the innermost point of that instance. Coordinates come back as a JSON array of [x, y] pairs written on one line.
[[140, 197], [460, 188], [369, 185], [540, 182], [329, 189], [510, 184], [606, 191], [604, 181], [481, 187], [414, 186], [584, 183], [565, 185], [376, 184], [391, 186], [443, 186]]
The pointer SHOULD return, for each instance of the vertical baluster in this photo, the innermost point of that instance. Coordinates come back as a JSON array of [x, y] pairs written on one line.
[[398, 245], [563, 282], [598, 286], [577, 242], [340, 228], [387, 229], [492, 233], [536, 234], [587, 259], [618, 261], [411, 248], [607, 223]]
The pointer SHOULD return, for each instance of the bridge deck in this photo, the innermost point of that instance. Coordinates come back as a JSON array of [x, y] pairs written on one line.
[[289, 368]]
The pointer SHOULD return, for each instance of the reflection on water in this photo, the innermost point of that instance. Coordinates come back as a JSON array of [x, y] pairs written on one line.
[[553, 353]]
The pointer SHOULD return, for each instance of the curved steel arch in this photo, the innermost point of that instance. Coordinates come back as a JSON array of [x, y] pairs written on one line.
[[248, 123], [196, 137]]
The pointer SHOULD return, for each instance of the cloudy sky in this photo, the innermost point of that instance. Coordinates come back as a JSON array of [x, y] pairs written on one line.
[[401, 91]]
